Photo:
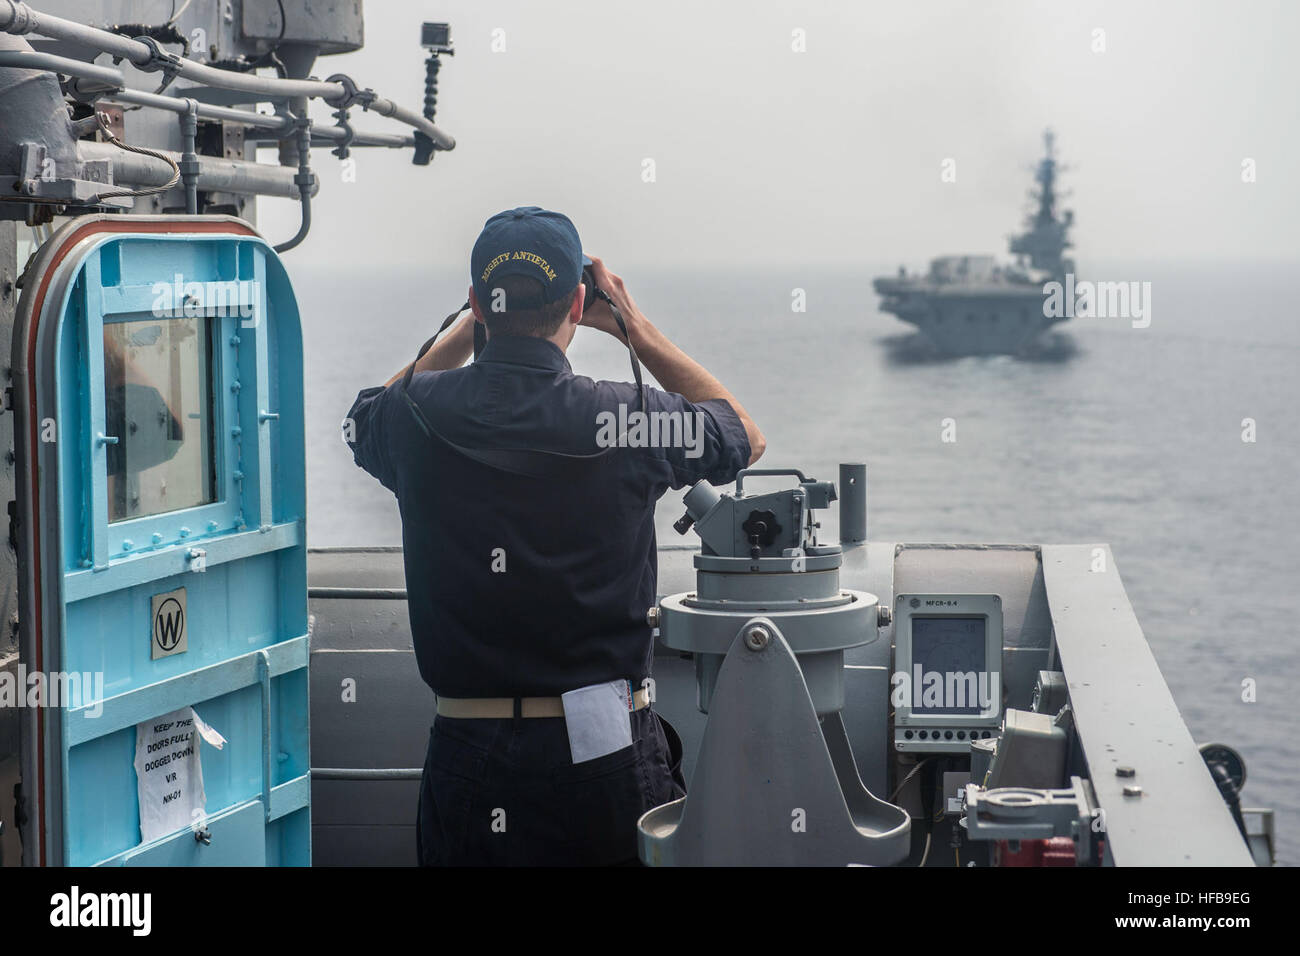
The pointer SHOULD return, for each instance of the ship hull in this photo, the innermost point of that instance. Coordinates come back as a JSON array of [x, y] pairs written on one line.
[[976, 324]]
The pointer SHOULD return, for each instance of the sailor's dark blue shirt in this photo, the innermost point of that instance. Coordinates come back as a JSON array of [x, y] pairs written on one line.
[[524, 586]]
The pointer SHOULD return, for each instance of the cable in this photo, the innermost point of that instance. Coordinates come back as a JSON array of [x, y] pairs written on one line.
[[910, 774], [102, 120], [272, 56], [305, 179], [176, 15], [926, 854]]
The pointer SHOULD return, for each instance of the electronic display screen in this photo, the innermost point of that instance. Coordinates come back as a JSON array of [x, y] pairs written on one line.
[[950, 667]]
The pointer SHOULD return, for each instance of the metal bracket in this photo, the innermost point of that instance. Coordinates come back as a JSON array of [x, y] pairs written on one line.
[[1021, 813], [352, 94], [160, 60], [773, 785], [40, 180], [341, 116]]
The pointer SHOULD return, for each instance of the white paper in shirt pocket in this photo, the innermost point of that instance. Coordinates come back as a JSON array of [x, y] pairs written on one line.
[[598, 719]]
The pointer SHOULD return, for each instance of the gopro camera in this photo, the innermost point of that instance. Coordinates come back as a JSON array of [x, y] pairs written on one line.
[[436, 37]]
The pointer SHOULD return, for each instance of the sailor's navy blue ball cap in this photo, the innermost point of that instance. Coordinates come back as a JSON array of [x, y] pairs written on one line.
[[528, 241]]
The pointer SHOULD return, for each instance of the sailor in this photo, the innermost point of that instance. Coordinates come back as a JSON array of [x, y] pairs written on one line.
[[529, 547]]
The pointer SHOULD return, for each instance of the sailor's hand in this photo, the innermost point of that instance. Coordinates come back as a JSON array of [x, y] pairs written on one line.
[[599, 315]]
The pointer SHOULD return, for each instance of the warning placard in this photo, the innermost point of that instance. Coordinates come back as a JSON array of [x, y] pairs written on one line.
[[169, 772]]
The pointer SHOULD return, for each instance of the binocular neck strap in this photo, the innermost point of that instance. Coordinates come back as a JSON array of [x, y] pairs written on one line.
[[410, 371], [627, 339]]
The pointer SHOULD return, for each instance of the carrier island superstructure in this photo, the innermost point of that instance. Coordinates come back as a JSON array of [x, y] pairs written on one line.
[[154, 470], [974, 305]]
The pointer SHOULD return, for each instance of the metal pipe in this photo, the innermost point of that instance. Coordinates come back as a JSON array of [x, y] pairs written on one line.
[[189, 164], [19, 18], [216, 174], [102, 77], [25, 60], [272, 124], [112, 80], [390, 109], [304, 226], [329, 135], [171, 104], [306, 182], [357, 594], [252, 83], [298, 60], [366, 773], [853, 503]]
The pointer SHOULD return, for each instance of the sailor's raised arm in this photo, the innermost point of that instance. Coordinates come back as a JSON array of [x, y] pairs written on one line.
[[452, 350], [672, 368]]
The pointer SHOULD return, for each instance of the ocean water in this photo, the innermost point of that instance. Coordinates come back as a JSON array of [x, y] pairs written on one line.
[[1127, 436]]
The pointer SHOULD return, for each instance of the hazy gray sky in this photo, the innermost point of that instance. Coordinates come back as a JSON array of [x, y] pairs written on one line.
[[831, 156]]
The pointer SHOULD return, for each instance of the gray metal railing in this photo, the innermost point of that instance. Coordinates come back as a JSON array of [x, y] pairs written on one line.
[[366, 773], [358, 594]]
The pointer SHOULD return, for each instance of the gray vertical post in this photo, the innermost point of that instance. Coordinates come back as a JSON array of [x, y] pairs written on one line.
[[189, 164], [853, 503]]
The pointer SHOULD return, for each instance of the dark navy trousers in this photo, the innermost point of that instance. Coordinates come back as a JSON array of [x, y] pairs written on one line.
[[506, 793]]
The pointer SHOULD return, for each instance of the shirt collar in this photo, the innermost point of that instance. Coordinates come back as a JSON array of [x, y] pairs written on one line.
[[526, 350]]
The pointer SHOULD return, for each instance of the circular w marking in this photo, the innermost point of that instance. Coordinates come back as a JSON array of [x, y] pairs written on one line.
[[169, 624]]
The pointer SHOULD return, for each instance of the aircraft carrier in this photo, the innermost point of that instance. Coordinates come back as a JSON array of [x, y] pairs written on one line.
[[974, 305]]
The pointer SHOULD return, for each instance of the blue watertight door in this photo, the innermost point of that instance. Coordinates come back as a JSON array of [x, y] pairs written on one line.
[[162, 548]]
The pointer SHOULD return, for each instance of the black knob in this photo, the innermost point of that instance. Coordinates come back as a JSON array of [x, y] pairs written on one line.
[[683, 524], [761, 525]]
